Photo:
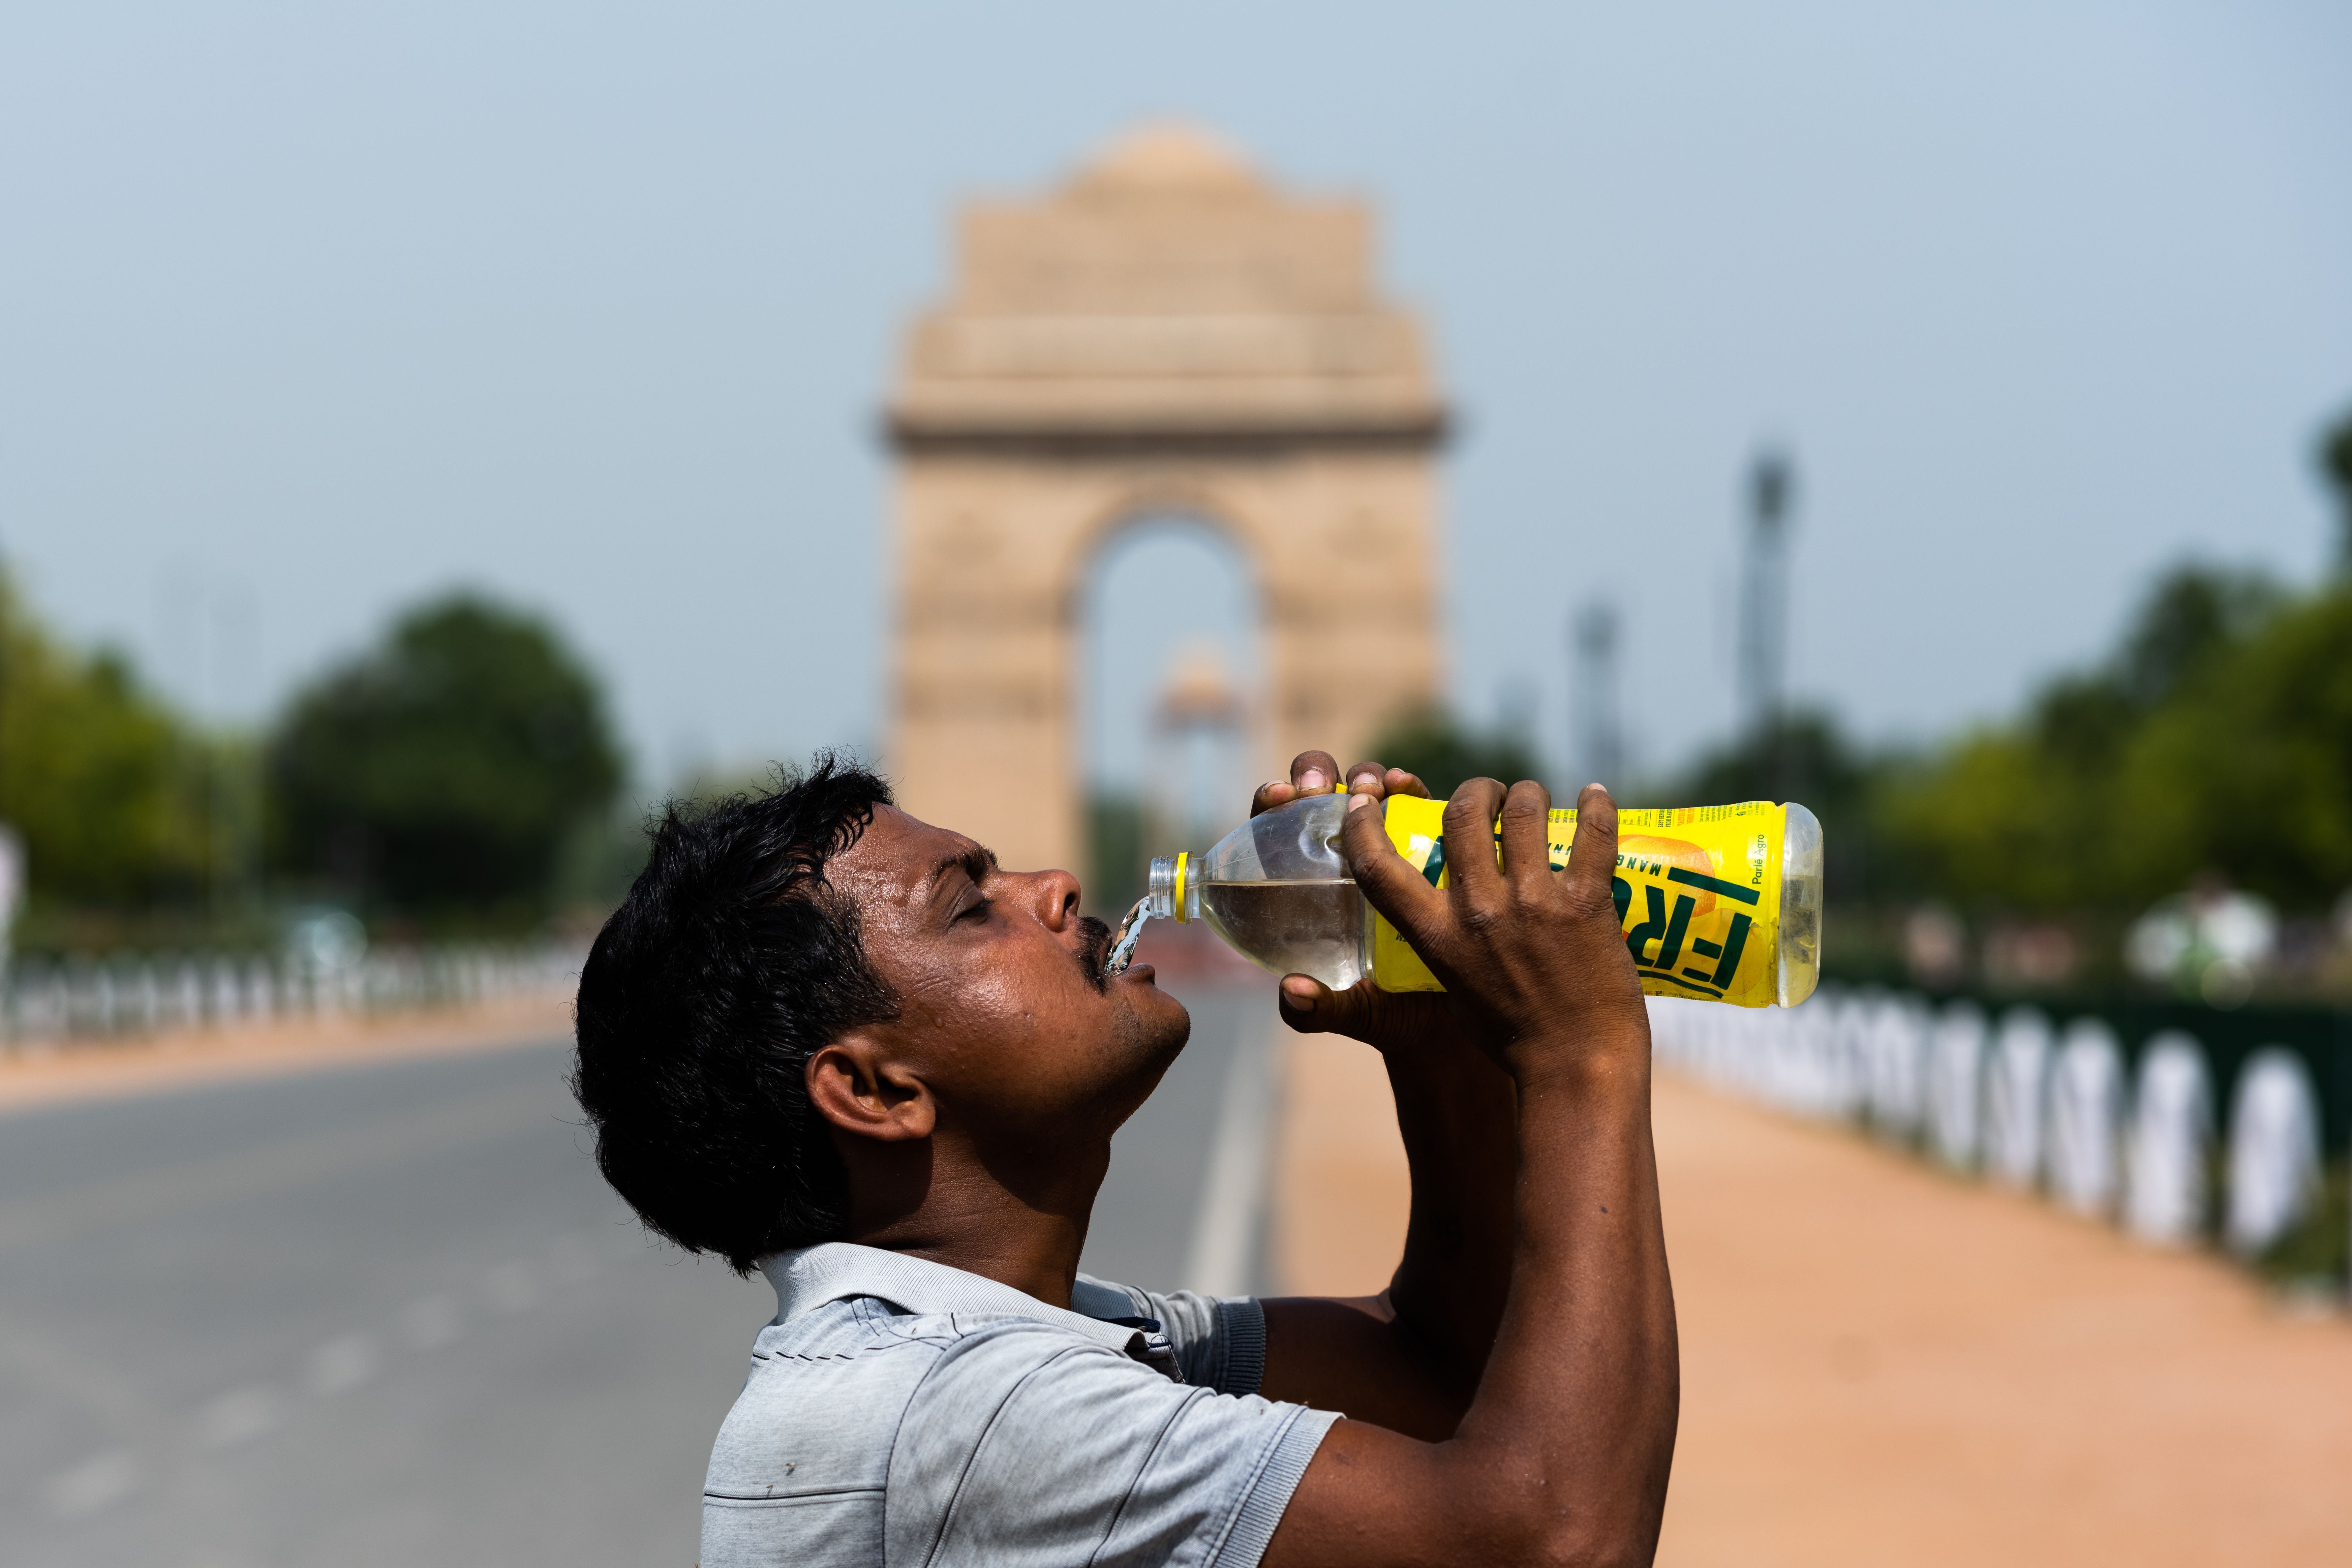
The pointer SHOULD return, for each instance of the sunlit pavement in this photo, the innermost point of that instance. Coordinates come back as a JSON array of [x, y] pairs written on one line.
[[390, 1315], [1882, 1364]]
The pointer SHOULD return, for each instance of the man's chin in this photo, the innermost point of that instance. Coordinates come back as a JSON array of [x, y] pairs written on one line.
[[1158, 1021]]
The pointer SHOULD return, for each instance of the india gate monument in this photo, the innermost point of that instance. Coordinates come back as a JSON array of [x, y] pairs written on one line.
[[1167, 332]]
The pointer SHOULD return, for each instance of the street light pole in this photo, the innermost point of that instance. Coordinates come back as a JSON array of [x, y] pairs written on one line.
[[1764, 609], [1593, 721]]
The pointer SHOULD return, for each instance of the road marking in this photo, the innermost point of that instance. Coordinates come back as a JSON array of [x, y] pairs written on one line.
[[1233, 1194], [339, 1364], [144, 1196], [511, 1287], [433, 1322], [342, 1365], [93, 1383], [239, 1416], [571, 1258], [98, 1482]]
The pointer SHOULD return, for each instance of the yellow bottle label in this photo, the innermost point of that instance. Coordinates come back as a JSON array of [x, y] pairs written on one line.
[[1697, 892]]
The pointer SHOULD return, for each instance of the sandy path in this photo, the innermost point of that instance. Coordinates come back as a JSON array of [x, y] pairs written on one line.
[[1882, 1364], [89, 1070]]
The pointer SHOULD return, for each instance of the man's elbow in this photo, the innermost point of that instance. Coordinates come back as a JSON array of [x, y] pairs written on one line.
[[1532, 1530], [1602, 1548], [1572, 1544]]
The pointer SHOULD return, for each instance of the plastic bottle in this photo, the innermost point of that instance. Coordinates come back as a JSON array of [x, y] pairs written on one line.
[[1720, 902]]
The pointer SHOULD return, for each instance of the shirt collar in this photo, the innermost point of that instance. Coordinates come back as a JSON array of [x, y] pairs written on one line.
[[809, 1277]]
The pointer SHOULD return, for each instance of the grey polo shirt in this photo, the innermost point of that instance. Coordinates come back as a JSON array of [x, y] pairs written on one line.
[[905, 1413]]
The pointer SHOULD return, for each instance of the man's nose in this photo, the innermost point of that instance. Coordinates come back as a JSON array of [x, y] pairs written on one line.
[[1056, 899]]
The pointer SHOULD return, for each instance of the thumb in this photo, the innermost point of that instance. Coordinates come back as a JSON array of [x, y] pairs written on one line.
[[1362, 1012], [1311, 1008]]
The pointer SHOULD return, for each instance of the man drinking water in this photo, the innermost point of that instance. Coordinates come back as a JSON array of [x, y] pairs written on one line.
[[844, 1047]]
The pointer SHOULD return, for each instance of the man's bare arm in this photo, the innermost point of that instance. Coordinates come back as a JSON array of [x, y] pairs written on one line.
[[1563, 1455], [1409, 1357]]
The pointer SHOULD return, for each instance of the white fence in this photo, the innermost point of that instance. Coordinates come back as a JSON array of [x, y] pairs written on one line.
[[47, 1005], [2014, 1100]]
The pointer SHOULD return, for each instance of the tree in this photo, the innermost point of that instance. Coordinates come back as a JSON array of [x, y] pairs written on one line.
[[2249, 773], [2335, 462], [1444, 752], [1119, 853], [2218, 738], [1803, 757], [440, 774], [2192, 620], [106, 786]]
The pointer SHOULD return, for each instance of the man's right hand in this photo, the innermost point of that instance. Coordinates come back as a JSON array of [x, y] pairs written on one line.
[[1563, 1454], [1538, 951]]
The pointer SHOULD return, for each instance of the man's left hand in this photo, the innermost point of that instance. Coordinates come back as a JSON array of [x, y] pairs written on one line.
[[1381, 1019]]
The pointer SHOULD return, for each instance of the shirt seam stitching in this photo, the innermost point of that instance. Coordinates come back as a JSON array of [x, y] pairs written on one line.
[[1249, 1487]]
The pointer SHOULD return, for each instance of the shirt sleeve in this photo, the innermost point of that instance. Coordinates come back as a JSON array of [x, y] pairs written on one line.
[[1022, 1447], [1219, 1340]]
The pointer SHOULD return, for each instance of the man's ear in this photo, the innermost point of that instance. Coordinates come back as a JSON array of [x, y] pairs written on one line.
[[856, 1085]]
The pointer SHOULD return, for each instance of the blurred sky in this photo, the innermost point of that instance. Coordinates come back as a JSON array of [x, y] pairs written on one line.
[[308, 308]]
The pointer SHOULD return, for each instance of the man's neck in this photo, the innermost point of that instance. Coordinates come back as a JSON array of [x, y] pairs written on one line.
[[963, 1216]]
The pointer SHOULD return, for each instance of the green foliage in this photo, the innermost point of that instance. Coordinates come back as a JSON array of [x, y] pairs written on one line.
[[1996, 819], [2249, 773], [1118, 854], [1803, 758], [1444, 752], [115, 799], [2335, 463], [2218, 740], [597, 861], [442, 774], [2192, 619], [2316, 1251]]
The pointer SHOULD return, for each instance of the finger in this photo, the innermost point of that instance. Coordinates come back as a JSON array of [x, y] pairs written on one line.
[[1469, 839], [1302, 1000], [1269, 796], [1312, 772], [1370, 778], [1311, 1008], [1592, 854], [1526, 849], [1387, 878], [1402, 783], [1362, 1012]]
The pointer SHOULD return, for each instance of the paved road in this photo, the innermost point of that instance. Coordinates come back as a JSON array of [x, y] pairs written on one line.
[[392, 1316]]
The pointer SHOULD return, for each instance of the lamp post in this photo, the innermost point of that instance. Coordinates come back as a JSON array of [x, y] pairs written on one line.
[[1764, 610], [1592, 720]]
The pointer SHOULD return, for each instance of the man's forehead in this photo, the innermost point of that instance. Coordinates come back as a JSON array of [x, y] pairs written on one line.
[[899, 857]]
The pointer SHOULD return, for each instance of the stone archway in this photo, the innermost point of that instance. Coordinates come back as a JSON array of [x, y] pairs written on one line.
[[1166, 333]]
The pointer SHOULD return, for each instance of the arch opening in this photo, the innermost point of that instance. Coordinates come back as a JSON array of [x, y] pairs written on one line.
[[1173, 695]]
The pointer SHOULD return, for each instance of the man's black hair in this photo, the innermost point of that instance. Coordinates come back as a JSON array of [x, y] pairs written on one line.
[[730, 962]]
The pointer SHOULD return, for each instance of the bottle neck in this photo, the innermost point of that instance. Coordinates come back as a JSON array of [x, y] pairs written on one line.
[[1175, 892]]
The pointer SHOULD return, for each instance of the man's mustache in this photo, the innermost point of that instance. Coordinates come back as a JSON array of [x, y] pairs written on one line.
[[1094, 950]]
